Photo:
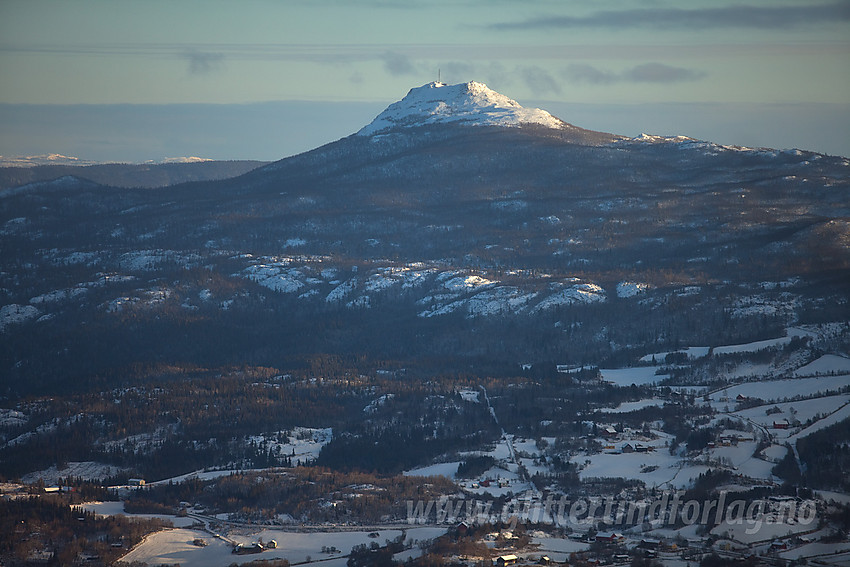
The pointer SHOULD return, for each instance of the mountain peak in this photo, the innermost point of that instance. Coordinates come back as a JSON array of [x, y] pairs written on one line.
[[470, 103]]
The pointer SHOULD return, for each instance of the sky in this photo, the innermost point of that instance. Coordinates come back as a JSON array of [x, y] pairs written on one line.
[[119, 80]]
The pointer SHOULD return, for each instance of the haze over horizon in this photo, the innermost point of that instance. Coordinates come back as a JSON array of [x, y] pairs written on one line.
[[126, 81]]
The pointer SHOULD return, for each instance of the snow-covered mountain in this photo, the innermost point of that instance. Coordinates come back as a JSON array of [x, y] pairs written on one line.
[[455, 209], [44, 159], [59, 159], [471, 103]]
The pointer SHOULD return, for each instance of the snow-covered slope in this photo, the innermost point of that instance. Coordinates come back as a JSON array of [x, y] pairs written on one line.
[[471, 103]]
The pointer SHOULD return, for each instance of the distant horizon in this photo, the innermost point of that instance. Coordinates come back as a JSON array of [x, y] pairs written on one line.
[[269, 131], [139, 81]]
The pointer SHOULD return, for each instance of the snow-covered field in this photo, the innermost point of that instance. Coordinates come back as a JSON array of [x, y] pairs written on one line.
[[826, 365], [754, 346], [175, 546], [639, 375], [740, 457], [692, 353], [302, 444], [558, 549], [751, 532], [841, 414], [801, 410], [117, 509], [779, 390], [695, 352], [626, 407], [655, 468], [838, 551], [87, 470], [448, 470]]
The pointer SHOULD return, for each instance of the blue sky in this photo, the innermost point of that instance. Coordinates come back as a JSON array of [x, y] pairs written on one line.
[[262, 79]]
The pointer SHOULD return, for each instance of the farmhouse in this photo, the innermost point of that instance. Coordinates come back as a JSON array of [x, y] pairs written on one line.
[[651, 544], [245, 549], [608, 431], [610, 537], [636, 448], [504, 560], [784, 424]]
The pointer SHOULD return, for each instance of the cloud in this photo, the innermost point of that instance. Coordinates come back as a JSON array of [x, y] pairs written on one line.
[[202, 63], [581, 73], [660, 73], [733, 16], [398, 64], [539, 81], [645, 73]]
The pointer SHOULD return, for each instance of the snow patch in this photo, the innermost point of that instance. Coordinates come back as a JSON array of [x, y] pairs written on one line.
[[630, 289], [87, 470], [826, 365], [275, 277], [16, 314], [576, 293], [466, 283]]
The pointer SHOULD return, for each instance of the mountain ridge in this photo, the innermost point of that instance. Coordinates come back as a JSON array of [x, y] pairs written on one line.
[[429, 242], [146, 175]]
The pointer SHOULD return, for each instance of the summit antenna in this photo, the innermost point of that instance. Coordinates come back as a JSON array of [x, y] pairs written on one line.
[[439, 78]]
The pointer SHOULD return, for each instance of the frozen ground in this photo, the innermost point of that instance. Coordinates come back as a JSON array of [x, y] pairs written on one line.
[[825, 365], [302, 444], [695, 352], [838, 551], [117, 509], [837, 416], [656, 468], [558, 549], [753, 347], [801, 410], [175, 546], [692, 353], [626, 407], [627, 376], [749, 532], [779, 390], [448, 470], [741, 459], [87, 470]]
